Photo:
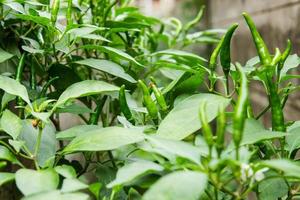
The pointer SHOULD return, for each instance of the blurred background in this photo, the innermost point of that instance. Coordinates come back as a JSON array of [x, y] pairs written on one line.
[[277, 21]]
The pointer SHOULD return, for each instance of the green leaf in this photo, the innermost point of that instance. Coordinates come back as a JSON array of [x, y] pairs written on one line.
[[13, 87], [134, 170], [183, 120], [255, 137], [179, 148], [6, 177], [288, 167], [32, 50], [6, 98], [184, 54], [72, 184], [75, 131], [273, 188], [16, 144], [108, 67], [117, 52], [11, 124], [5, 55], [112, 51], [293, 139], [95, 188], [36, 19], [74, 108], [86, 32], [178, 185], [48, 142], [105, 139], [66, 171], [57, 195], [15, 6], [84, 88], [6, 154], [30, 181], [291, 62], [255, 132]]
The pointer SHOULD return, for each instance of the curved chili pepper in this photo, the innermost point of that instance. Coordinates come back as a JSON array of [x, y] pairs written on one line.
[[158, 95], [46, 86], [240, 110], [285, 55], [148, 102], [225, 57], [206, 129], [260, 45], [124, 106], [195, 20], [54, 10], [221, 126], [276, 58], [214, 55]]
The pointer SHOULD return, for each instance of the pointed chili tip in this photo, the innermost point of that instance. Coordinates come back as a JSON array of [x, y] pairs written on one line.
[[235, 25], [245, 14]]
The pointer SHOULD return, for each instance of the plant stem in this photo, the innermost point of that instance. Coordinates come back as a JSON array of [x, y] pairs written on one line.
[[37, 147]]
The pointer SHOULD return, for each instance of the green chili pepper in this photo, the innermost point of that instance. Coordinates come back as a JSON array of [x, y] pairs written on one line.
[[285, 55], [158, 95], [149, 103], [276, 110], [32, 77], [225, 50], [54, 11], [20, 68], [195, 20], [276, 58], [240, 111], [46, 86], [206, 129], [221, 126], [69, 13], [124, 106], [214, 56], [94, 118], [261, 47]]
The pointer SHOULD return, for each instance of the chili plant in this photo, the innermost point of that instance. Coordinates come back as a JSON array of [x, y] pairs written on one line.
[[153, 123]]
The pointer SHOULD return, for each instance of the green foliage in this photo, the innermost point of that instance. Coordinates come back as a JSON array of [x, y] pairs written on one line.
[[138, 91]]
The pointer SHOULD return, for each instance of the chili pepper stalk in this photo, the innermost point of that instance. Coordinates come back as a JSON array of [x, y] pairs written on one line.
[[18, 78], [206, 129], [221, 126]]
